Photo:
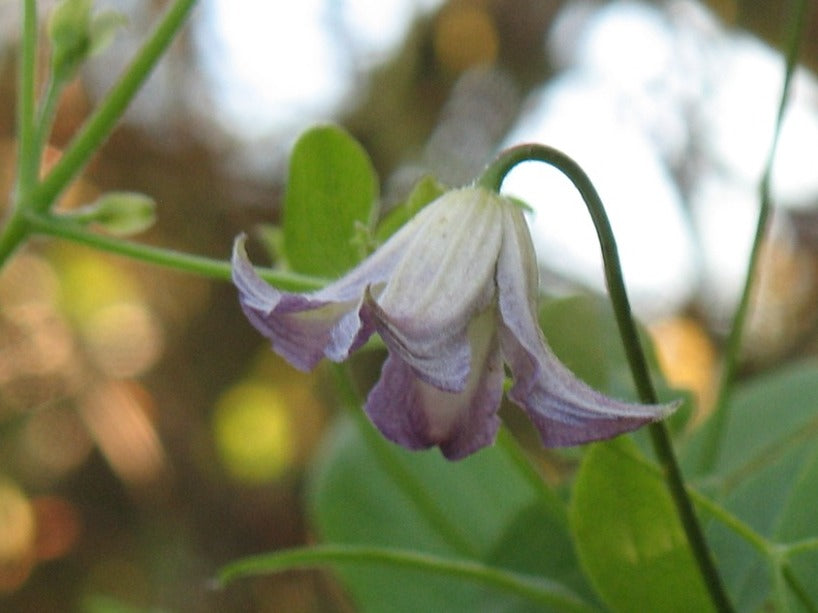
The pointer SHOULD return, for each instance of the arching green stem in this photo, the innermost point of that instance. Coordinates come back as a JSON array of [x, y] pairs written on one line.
[[493, 178]]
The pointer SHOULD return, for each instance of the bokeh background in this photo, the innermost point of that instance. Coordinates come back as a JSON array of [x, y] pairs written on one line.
[[148, 435]]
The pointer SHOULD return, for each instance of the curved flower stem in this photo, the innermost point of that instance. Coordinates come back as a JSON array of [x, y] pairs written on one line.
[[493, 178], [714, 434]]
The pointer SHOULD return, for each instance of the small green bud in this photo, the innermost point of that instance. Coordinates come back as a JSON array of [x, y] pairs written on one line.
[[68, 29], [75, 35], [120, 213]]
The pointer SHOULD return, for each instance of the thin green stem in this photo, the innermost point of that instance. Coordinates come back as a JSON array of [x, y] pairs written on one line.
[[44, 223], [493, 179], [736, 525], [14, 228], [47, 114], [39, 197], [100, 124], [534, 589], [717, 426], [805, 546], [414, 489], [28, 161]]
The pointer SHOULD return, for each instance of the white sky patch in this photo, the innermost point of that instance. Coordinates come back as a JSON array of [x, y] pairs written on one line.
[[655, 245], [268, 62], [283, 65], [621, 108]]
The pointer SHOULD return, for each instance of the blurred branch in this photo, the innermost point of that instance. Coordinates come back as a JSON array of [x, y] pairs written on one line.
[[716, 428], [101, 123]]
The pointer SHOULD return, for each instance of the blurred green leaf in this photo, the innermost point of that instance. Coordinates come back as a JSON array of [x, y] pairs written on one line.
[[768, 415], [332, 190], [765, 475], [628, 535], [798, 522], [525, 547], [425, 191], [476, 506]]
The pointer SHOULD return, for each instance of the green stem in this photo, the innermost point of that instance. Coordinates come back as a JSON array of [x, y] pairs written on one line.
[[717, 426], [534, 589], [100, 124], [32, 196], [183, 262], [28, 161], [493, 179], [799, 547], [14, 228], [47, 114]]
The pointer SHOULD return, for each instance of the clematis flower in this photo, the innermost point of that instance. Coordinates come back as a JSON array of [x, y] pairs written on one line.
[[453, 294]]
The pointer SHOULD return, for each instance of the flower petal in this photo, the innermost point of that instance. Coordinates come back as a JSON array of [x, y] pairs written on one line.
[[330, 322], [445, 277], [416, 415], [565, 410]]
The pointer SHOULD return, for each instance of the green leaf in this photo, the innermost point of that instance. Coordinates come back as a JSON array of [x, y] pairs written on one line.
[[764, 475], [425, 191], [525, 547], [332, 191], [382, 495], [628, 536], [797, 521]]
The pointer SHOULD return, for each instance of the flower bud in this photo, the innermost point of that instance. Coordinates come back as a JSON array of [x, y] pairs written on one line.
[[120, 213]]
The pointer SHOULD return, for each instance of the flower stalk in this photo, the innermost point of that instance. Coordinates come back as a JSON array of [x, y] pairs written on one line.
[[493, 178]]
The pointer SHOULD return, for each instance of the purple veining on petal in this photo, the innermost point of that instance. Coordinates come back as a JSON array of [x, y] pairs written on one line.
[[565, 410], [444, 279], [303, 328], [417, 415]]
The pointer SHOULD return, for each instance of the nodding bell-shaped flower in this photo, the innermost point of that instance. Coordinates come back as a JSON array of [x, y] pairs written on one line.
[[453, 295]]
